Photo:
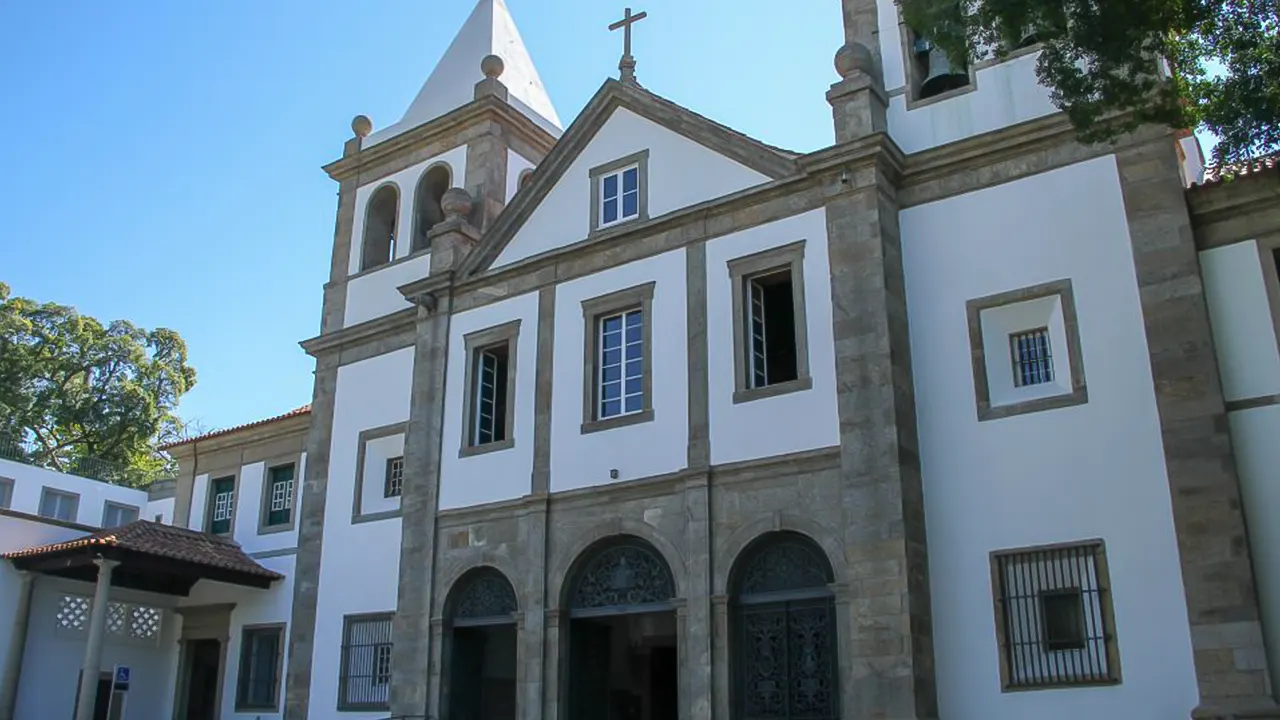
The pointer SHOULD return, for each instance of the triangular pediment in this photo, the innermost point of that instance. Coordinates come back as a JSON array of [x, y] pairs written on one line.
[[705, 159]]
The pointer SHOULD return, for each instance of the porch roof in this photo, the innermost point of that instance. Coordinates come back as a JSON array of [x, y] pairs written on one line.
[[152, 557]]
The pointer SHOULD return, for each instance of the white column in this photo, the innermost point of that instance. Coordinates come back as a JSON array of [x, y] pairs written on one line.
[[93, 647], [12, 668]]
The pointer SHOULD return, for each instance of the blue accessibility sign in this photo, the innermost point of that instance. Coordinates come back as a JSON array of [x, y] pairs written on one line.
[[122, 677]]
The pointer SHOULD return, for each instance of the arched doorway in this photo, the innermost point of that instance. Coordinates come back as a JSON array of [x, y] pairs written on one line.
[[622, 657], [481, 679], [783, 646]]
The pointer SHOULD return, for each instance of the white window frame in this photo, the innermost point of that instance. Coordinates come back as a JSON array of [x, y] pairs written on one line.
[[595, 312], [119, 507], [73, 498], [620, 198], [637, 162], [624, 345]]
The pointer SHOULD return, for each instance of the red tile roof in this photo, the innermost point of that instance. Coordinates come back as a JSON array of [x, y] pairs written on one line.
[[227, 431], [165, 541], [1217, 174]]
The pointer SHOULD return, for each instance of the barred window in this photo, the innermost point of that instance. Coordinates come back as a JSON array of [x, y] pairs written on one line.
[[365, 676], [1054, 617], [261, 655], [393, 484], [1032, 359]]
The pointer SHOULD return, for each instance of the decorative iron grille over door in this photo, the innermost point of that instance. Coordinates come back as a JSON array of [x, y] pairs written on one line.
[[786, 633]]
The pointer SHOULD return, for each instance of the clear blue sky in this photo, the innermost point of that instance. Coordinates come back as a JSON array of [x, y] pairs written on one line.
[[161, 159]]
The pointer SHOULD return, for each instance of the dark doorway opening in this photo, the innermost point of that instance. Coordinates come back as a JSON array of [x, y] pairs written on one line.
[[624, 667], [203, 659], [483, 682]]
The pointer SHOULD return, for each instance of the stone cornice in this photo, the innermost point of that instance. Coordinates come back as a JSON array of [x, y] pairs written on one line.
[[361, 333], [284, 427], [1229, 212], [487, 108]]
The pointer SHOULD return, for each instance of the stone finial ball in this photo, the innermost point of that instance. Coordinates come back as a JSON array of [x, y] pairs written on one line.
[[456, 202], [854, 57], [492, 66], [361, 125]]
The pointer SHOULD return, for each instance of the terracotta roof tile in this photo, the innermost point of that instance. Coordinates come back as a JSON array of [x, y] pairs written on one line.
[[166, 541], [227, 431], [1217, 174]]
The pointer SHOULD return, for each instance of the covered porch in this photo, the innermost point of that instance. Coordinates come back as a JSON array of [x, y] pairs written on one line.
[[112, 599]]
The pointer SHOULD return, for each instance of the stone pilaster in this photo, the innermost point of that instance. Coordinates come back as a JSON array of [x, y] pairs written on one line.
[[335, 290], [306, 572], [696, 668], [890, 645], [487, 154], [859, 104], [1217, 570]]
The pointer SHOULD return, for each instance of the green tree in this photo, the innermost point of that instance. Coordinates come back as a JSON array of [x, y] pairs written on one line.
[[87, 398], [1100, 61]]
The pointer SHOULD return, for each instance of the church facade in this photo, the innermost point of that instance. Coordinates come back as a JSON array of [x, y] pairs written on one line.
[[644, 418]]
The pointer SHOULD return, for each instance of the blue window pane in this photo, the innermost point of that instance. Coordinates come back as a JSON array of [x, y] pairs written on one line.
[[635, 352], [613, 324], [633, 368], [611, 374], [611, 391], [635, 319], [610, 186], [611, 408], [634, 334], [630, 179], [633, 403], [612, 357], [610, 211], [633, 386], [630, 205]]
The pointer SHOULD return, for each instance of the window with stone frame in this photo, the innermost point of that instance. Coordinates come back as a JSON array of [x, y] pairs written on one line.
[[618, 364], [771, 354], [618, 191], [118, 514], [261, 663], [59, 505], [393, 483], [490, 380], [365, 664], [222, 504], [6, 493], [1054, 618], [277, 511]]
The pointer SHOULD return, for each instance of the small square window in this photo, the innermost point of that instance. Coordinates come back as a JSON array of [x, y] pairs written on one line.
[[117, 515], [490, 379], [618, 367], [393, 482], [1032, 357], [1054, 618], [222, 504], [618, 192], [59, 505]]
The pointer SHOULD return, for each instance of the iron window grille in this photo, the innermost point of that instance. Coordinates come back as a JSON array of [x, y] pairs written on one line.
[[393, 482], [222, 505], [620, 381], [259, 680], [1032, 358], [1054, 617], [620, 196], [365, 677], [281, 480], [490, 395]]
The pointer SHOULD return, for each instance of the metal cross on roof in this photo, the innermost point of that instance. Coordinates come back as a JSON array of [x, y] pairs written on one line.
[[627, 66]]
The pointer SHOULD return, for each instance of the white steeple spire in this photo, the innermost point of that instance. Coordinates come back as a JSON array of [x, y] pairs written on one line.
[[489, 30]]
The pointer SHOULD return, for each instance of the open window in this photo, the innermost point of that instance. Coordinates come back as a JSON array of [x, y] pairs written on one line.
[[379, 246], [770, 335], [491, 383], [426, 203]]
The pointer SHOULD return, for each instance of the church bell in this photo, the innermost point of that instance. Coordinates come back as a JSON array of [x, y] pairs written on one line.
[[941, 75]]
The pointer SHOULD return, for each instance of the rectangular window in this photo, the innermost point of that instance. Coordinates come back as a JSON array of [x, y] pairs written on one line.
[[6, 493], [771, 354], [620, 389], [222, 504], [1054, 617], [365, 676], [393, 482], [772, 324], [280, 484], [489, 395], [620, 196], [117, 514], [59, 505], [261, 655], [1032, 360]]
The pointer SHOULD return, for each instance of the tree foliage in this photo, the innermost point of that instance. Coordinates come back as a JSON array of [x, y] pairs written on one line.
[[84, 397], [1104, 61]]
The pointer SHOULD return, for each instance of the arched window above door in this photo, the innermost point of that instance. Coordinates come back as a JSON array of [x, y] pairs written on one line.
[[487, 595], [625, 573]]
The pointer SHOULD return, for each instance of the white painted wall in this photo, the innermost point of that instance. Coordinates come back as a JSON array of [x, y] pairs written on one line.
[[371, 296], [52, 659], [516, 164], [1240, 313], [1090, 471], [751, 430], [29, 483], [681, 173], [200, 502], [1253, 437], [504, 474], [635, 451], [373, 475], [162, 509]]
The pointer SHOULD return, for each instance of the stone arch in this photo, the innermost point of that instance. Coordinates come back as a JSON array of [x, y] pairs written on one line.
[[568, 560], [479, 646], [450, 574], [432, 185], [731, 550], [481, 593], [588, 585], [381, 215]]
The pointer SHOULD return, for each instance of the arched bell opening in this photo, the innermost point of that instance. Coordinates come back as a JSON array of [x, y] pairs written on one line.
[[479, 681], [379, 244], [783, 640], [622, 657], [426, 202]]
